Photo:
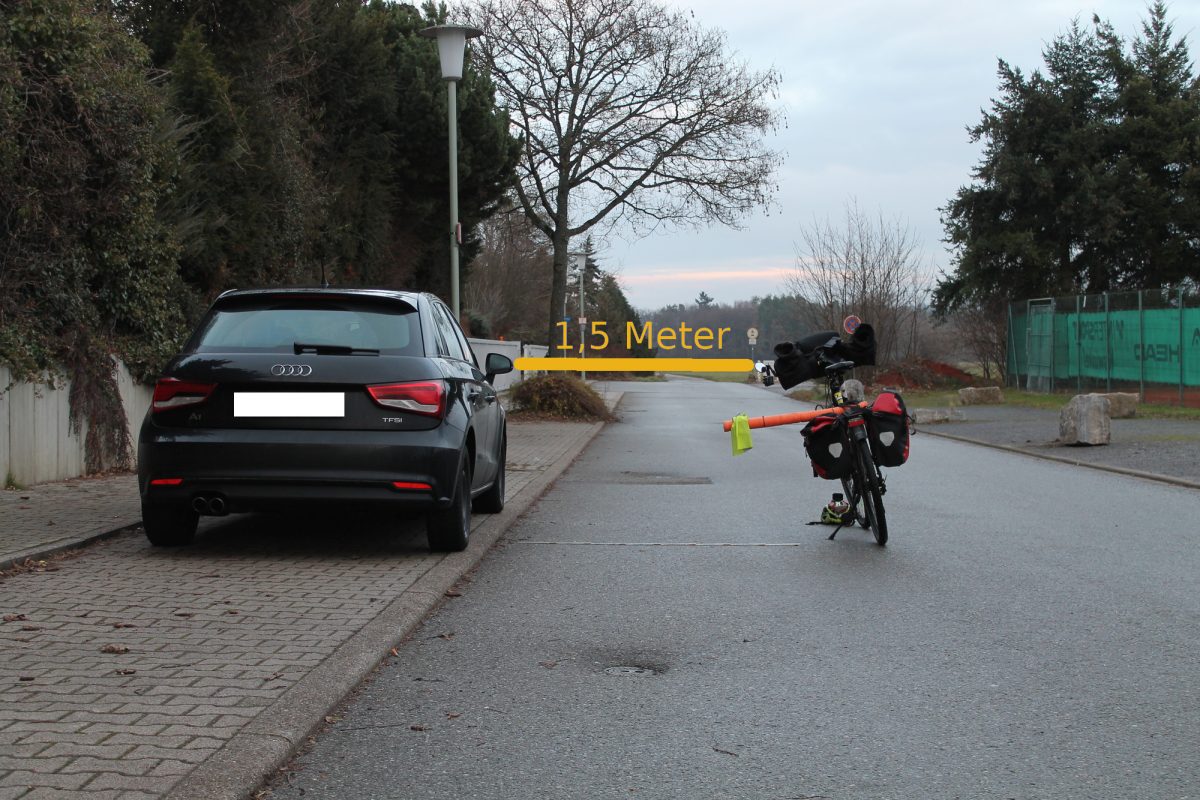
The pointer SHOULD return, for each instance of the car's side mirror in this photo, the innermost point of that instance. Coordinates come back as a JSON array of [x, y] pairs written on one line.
[[496, 364]]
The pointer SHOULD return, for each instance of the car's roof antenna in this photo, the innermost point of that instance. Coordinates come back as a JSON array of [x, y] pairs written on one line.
[[324, 280]]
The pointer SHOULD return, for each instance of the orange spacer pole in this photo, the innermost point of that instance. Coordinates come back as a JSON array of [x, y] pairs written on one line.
[[789, 419]]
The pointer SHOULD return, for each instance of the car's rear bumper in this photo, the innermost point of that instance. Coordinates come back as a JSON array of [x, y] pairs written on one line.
[[259, 469]]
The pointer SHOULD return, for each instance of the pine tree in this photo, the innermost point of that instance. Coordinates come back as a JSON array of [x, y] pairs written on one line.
[[1156, 157], [1090, 178]]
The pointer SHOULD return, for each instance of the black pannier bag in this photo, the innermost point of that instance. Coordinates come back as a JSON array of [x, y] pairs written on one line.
[[828, 446], [888, 428]]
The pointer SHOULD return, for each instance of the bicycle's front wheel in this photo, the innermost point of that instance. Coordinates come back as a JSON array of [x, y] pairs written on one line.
[[852, 486], [872, 493]]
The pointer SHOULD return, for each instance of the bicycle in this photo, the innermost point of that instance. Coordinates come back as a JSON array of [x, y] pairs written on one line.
[[846, 440], [864, 483]]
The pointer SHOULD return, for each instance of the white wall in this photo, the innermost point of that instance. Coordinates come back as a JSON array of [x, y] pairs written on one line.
[[36, 442], [511, 349]]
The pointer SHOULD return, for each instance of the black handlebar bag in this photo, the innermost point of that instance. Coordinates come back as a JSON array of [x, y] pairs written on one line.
[[860, 347], [798, 361]]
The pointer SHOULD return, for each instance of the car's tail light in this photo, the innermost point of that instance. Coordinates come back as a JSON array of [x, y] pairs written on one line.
[[166, 481], [419, 397], [412, 485], [171, 393]]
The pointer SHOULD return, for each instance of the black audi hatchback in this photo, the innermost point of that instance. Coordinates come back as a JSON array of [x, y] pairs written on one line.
[[294, 399]]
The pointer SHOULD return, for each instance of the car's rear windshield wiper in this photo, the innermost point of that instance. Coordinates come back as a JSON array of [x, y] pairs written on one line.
[[333, 350]]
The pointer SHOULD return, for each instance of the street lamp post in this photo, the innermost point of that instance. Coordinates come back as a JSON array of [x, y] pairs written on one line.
[[579, 260], [452, 43]]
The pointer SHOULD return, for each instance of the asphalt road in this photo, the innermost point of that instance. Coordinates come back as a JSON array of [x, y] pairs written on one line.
[[1032, 630]]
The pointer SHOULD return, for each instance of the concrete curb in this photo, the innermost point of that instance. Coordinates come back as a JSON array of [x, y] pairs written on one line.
[[61, 546], [1150, 476], [256, 753]]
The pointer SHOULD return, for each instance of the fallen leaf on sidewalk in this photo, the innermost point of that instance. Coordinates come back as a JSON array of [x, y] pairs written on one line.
[[452, 715], [453, 593], [25, 678], [125, 671], [418, 728], [446, 636], [14, 617], [233, 612], [184, 614], [395, 652], [30, 628], [214, 575], [332, 719], [124, 625], [548, 664], [274, 677], [116, 649]]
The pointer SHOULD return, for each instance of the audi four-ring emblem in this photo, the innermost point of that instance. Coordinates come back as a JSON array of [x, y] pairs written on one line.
[[291, 370]]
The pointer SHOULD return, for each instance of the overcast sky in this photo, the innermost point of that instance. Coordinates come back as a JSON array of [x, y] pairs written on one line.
[[877, 97]]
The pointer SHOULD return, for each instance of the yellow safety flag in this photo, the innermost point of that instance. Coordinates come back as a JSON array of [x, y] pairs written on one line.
[[741, 434]]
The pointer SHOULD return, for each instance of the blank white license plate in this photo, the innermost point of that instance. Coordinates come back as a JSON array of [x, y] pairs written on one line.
[[289, 404]]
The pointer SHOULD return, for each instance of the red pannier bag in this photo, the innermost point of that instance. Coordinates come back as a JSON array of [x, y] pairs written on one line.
[[888, 428], [828, 447]]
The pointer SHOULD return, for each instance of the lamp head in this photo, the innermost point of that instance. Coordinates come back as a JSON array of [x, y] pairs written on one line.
[[452, 44]]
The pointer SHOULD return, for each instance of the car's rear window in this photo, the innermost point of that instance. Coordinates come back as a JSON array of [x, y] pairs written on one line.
[[277, 327]]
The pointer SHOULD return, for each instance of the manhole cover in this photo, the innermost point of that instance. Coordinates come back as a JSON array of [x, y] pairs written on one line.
[[629, 671]]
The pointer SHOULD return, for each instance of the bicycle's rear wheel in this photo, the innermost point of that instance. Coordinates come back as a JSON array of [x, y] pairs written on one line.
[[872, 490]]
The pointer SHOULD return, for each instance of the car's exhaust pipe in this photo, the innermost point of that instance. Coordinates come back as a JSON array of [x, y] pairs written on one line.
[[210, 505]]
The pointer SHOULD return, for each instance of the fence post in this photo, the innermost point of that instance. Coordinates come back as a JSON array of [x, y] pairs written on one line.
[[1142, 345], [1010, 354], [1181, 403], [1054, 350], [1078, 347], [1107, 345]]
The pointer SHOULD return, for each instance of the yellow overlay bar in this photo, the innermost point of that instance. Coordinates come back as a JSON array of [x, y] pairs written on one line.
[[635, 364]]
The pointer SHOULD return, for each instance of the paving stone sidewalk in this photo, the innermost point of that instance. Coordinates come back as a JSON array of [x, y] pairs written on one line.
[[50, 516], [132, 671]]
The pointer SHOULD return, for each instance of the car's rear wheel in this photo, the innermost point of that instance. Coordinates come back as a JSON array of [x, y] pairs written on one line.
[[449, 529], [492, 501], [168, 525]]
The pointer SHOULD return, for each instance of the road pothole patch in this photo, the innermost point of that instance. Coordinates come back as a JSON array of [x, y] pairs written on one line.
[[626, 670]]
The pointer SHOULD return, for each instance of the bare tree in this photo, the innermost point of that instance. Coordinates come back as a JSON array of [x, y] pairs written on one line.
[[869, 268], [983, 330], [509, 282], [627, 112]]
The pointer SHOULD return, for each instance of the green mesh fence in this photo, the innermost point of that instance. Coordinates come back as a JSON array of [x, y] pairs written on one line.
[[1146, 341]]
